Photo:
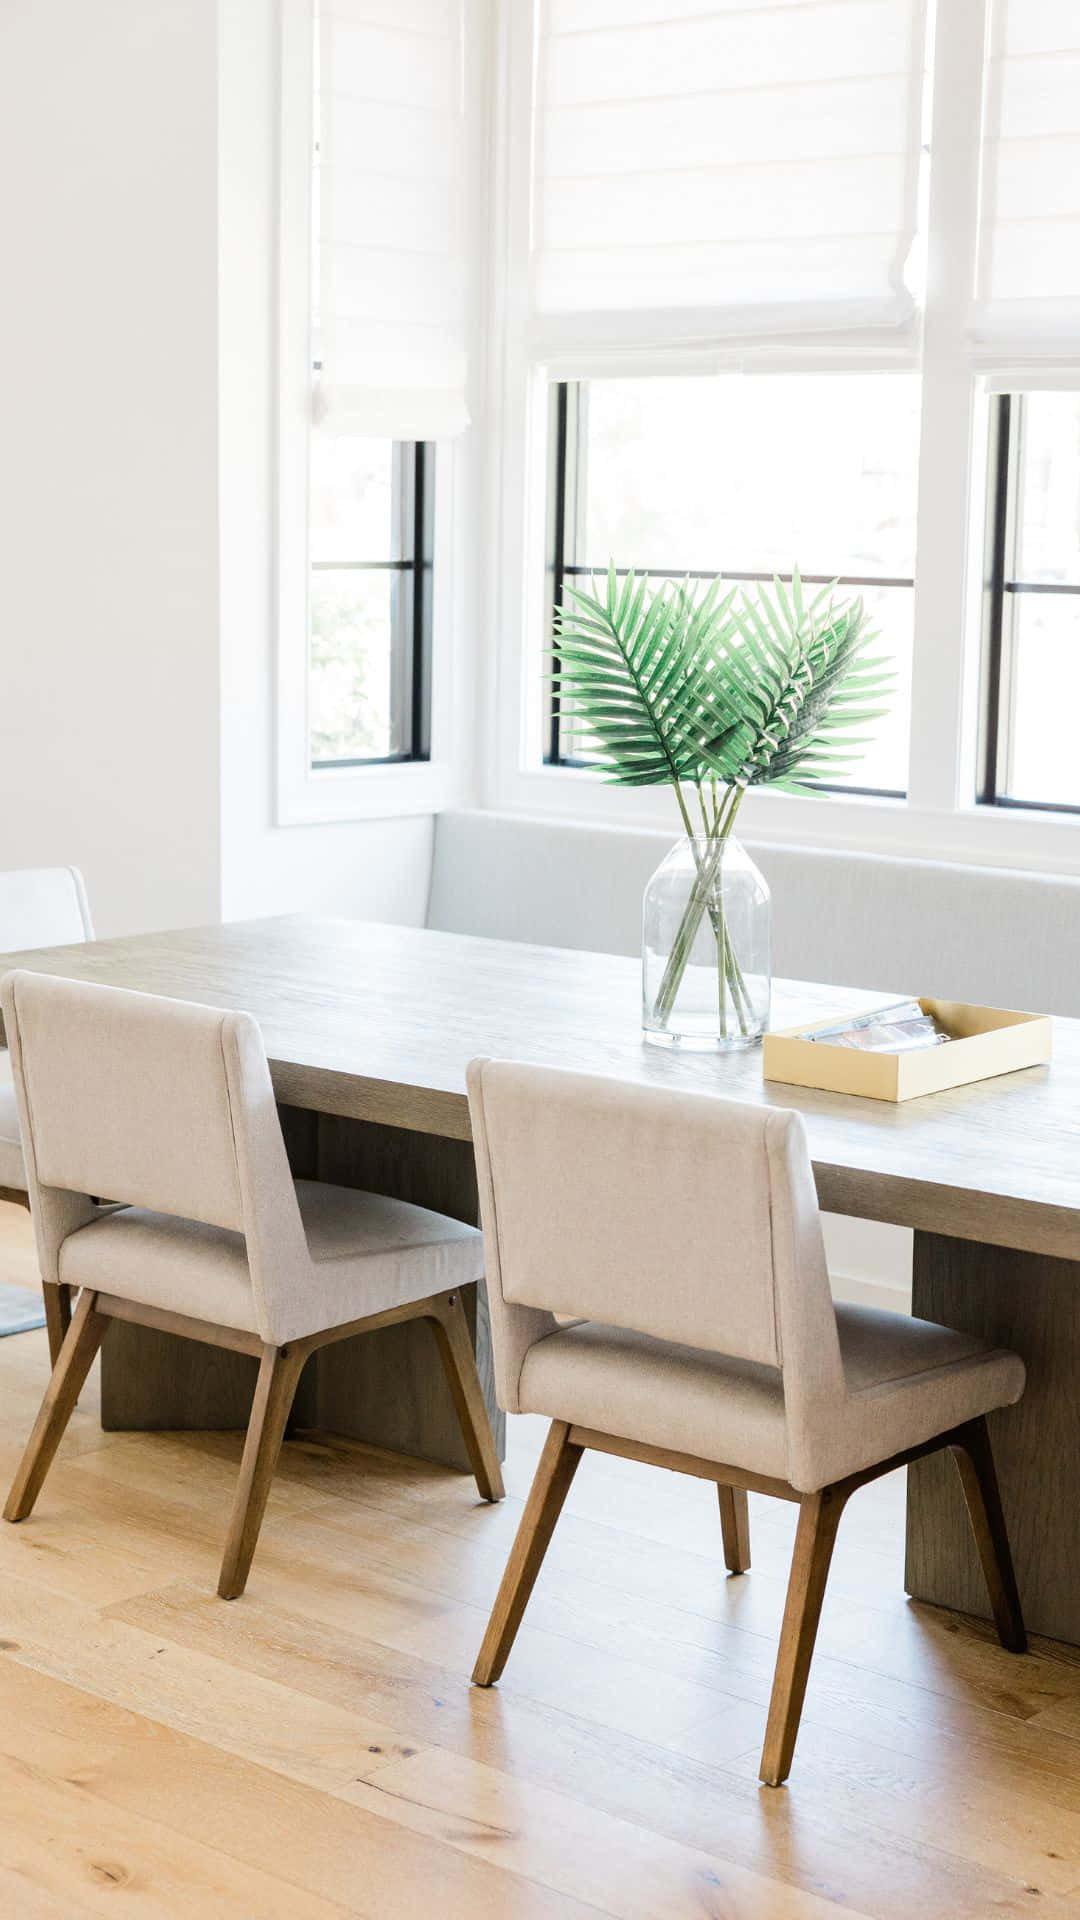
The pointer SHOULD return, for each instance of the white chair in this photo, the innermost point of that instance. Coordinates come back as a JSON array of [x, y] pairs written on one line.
[[169, 1108], [39, 907], [681, 1235]]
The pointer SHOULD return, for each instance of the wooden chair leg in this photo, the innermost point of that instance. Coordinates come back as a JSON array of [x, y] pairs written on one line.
[[57, 1316], [279, 1372], [735, 1527], [819, 1517], [558, 1465], [83, 1338], [456, 1352], [975, 1460]]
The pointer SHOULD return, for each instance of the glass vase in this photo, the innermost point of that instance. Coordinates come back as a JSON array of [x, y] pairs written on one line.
[[706, 928]]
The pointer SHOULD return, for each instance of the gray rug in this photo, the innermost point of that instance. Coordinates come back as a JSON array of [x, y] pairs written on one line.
[[20, 1310]]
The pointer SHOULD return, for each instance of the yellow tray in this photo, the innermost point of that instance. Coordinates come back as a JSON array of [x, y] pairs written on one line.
[[987, 1041]]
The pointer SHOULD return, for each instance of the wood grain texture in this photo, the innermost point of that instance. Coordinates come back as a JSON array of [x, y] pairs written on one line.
[[1032, 1305], [552, 1482], [318, 1750], [152, 1380], [975, 1459], [57, 1302], [73, 1363], [274, 1390], [645, 1454], [819, 1517], [455, 1344], [379, 1023]]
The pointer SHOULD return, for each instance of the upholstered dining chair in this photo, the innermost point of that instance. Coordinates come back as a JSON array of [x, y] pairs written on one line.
[[679, 1236], [169, 1108], [39, 907]]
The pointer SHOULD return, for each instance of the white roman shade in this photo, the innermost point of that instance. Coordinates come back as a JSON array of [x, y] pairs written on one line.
[[1028, 297], [739, 168], [390, 321]]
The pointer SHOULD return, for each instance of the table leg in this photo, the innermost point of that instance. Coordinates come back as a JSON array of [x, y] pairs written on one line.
[[1031, 1303], [387, 1388]]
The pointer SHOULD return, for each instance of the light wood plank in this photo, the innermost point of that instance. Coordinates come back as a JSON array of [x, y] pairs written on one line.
[[610, 1863], [265, 1846], [655, 1787], [158, 1872], [20, 1895], [671, 1614], [323, 1743]]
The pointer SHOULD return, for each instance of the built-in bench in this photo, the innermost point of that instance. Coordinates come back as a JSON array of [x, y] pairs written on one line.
[[855, 919]]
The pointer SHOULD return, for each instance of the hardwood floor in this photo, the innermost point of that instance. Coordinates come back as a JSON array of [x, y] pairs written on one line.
[[315, 1748]]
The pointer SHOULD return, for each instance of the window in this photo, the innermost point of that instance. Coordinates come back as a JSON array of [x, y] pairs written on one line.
[[764, 277], [371, 523], [378, 191], [741, 477], [1033, 614]]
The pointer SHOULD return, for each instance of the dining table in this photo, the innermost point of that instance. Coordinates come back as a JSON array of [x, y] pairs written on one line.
[[369, 1029]]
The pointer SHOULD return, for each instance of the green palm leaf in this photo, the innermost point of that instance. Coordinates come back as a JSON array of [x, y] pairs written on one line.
[[813, 686], [627, 663], [680, 683]]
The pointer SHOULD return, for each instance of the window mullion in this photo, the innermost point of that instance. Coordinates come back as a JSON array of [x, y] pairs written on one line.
[[941, 689], [998, 679], [423, 561], [560, 408], [1007, 689]]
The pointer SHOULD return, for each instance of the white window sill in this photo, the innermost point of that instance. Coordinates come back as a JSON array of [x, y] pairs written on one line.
[[378, 792]]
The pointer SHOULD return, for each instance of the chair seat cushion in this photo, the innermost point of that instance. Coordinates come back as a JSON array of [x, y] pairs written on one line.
[[179, 1265], [368, 1253], [12, 1171], [907, 1381], [877, 1346]]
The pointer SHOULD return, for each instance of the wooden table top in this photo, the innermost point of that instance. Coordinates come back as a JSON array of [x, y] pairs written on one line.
[[379, 1023]]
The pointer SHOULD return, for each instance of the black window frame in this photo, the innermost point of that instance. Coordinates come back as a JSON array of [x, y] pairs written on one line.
[[567, 444], [411, 611], [1002, 589]]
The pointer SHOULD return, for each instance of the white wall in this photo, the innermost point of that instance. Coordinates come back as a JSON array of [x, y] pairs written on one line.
[[108, 508], [138, 161]]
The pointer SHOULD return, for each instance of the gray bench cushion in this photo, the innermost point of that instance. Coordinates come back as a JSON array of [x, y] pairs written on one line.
[[855, 919]]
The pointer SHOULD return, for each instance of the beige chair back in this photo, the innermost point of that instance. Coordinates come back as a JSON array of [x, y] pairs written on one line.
[[674, 1214], [43, 907], [155, 1103]]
